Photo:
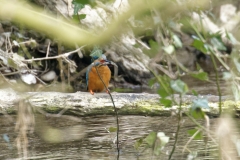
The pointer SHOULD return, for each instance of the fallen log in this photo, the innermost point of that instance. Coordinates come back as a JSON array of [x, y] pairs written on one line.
[[84, 104]]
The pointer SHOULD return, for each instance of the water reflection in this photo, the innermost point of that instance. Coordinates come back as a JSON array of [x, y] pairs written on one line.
[[98, 143]]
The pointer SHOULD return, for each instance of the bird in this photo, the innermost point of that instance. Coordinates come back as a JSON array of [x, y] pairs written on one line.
[[98, 68]]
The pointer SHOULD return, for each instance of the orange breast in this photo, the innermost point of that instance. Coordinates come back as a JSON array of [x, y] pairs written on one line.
[[94, 82]]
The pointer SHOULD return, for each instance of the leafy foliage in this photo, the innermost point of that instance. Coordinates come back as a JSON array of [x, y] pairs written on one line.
[[78, 5], [155, 141], [203, 76], [167, 39], [176, 41], [200, 45], [197, 106], [112, 129], [96, 53], [179, 86], [198, 136], [154, 48]]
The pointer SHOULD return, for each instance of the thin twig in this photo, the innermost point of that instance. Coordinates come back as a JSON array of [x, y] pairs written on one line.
[[69, 75], [6, 79], [166, 72], [46, 64], [115, 110], [48, 48], [61, 65], [193, 136], [54, 57], [217, 83], [203, 128], [12, 73], [72, 118], [143, 44], [178, 128], [206, 130], [40, 80]]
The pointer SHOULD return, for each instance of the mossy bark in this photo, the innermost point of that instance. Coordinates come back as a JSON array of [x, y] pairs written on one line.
[[83, 103]]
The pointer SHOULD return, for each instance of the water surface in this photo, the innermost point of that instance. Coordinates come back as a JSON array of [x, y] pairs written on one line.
[[98, 143]]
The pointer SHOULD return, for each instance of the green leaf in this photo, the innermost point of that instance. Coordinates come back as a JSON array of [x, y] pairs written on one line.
[[75, 18], [218, 44], [235, 58], [155, 48], [177, 42], [227, 75], [208, 48], [79, 4], [166, 102], [198, 67], [138, 143], [152, 81], [112, 129], [149, 32], [197, 106], [179, 86], [151, 138], [197, 113], [231, 38], [199, 45], [137, 45], [169, 49], [203, 76], [164, 89], [82, 16], [162, 92], [83, 2], [194, 92], [200, 103], [198, 136], [235, 90], [217, 35], [96, 52], [77, 7]]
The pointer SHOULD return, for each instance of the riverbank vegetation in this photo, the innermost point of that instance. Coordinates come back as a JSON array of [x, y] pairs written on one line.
[[45, 46]]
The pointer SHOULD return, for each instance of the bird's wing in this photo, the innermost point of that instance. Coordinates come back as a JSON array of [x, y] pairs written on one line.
[[96, 63]]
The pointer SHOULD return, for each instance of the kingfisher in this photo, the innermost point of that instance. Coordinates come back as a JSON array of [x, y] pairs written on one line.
[[99, 67]]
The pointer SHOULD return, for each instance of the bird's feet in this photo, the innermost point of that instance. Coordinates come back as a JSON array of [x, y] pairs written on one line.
[[92, 93]]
